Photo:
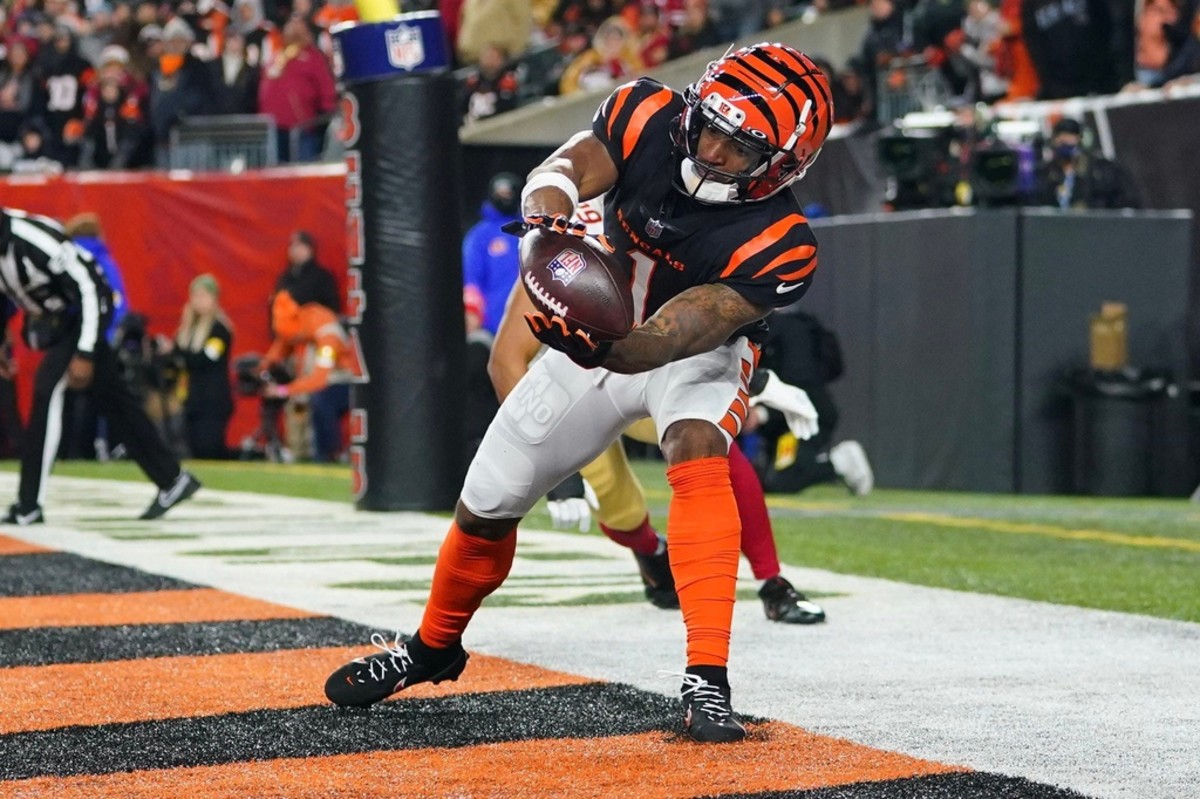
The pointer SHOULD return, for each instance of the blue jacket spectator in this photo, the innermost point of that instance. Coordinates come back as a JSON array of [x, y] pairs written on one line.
[[490, 262], [84, 229]]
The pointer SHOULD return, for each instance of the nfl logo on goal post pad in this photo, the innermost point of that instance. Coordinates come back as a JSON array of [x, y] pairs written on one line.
[[406, 43]]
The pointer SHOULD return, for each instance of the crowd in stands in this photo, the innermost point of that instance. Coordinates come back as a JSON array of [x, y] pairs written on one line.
[[96, 85], [978, 50]]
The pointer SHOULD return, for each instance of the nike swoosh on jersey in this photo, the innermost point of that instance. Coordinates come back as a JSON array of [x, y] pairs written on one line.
[[784, 288]]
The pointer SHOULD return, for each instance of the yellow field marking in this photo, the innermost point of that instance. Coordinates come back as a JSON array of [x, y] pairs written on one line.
[[1049, 530]]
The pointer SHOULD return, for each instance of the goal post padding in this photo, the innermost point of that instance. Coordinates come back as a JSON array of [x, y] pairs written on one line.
[[405, 310]]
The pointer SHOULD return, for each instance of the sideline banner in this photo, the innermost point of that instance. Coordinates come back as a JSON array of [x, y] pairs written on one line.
[[166, 228]]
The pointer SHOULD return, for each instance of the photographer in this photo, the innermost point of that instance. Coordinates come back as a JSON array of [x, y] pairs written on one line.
[[334, 365], [67, 304], [801, 353], [202, 344], [1072, 176]]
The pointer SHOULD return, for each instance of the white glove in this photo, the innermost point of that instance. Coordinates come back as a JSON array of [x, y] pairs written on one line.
[[574, 512], [792, 402]]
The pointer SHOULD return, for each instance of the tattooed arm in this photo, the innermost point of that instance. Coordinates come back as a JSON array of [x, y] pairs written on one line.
[[695, 321]]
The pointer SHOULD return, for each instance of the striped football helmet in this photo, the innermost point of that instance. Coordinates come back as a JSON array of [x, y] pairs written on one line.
[[774, 102]]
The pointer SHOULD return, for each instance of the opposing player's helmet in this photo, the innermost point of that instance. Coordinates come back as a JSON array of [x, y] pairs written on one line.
[[773, 101]]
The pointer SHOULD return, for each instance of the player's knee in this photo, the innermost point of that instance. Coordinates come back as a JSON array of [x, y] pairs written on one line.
[[692, 439], [491, 529]]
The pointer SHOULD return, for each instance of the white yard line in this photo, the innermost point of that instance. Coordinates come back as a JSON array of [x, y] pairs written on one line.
[[1105, 703]]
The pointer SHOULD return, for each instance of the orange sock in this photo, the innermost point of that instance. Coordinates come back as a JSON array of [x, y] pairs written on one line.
[[704, 533], [468, 569]]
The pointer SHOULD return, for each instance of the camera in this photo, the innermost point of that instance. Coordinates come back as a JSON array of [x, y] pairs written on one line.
[[249, 380]]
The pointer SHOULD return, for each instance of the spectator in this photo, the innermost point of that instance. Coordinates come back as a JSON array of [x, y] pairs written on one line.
[[1070, 42], [849, 92], [180, 86], [115, 131], [297, 91], [263, 41], [575, 22], [235, 78], [1153, 47], [1184, 66], [1013, 61], [696, 33], [203, 342], [882, 42], [610, 59], [490, 262], [305, 279], [984, 30], [653, 38], [507, 23], [35, 153], [802, 352], [492, 89], [84, 229], [735, 19], [99, 32], [65, 75], [147, 51], [21, 95], [314, 325], [1073, 177]]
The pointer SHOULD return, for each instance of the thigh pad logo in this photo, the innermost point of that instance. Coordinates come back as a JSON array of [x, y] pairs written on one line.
[[536, 406]]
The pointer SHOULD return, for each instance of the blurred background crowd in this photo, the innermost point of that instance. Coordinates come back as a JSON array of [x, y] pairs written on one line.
[[94, 84]]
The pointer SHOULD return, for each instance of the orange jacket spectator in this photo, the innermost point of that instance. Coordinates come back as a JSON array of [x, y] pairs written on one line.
[[311, 324]]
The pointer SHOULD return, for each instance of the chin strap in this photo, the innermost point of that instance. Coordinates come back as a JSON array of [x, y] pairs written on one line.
[[704, 190]]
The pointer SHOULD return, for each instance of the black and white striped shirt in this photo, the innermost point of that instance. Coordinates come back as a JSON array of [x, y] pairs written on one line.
[[43, 272]]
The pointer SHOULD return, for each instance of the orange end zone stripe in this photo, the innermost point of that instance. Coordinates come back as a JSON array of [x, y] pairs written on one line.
[[48, 697], [148, 607], [777, 757], [15, 546]]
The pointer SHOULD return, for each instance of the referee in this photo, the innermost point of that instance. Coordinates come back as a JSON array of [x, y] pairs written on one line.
[[67, 304]]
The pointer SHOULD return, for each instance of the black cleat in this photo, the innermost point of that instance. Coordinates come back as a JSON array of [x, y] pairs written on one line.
[[783, 603], [364, 681], [24, 518], [657, 577], [708, 716], [184, 486]]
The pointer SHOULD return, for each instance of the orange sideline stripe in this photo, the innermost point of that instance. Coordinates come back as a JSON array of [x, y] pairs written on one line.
[[777, 757], [141, 607], [15, 546], [48, 697]]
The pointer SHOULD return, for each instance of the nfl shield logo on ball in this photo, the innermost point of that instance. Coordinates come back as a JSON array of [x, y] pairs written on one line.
[[405, 49], [565, 266]]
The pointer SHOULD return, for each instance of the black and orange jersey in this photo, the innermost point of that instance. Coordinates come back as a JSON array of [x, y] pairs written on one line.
[[764, 250]]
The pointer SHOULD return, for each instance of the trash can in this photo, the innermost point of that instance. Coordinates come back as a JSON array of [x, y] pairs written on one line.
[[1119, 431]]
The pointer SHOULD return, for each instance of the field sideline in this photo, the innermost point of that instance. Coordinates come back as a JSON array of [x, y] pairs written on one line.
[[1130, 555], [185, 656]]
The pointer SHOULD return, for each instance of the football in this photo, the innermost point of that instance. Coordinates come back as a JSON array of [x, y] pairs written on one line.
[[578, 279]]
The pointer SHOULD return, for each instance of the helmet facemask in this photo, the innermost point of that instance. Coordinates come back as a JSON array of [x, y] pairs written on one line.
[[721, 101]]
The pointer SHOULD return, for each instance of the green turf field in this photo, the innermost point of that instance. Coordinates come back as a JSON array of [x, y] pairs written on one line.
[[1134, 555]]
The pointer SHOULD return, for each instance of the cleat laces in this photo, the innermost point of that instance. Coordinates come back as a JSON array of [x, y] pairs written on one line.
[[398, 657], [705, 695]]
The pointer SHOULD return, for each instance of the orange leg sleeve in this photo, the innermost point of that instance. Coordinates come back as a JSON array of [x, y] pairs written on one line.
[[468, 569], [704, 533]]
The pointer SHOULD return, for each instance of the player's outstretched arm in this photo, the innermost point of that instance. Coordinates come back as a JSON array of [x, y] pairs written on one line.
[[584, 162], [695, 321]]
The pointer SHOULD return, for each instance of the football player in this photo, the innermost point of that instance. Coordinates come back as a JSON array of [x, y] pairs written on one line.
[[697, 202], [620, 501]]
